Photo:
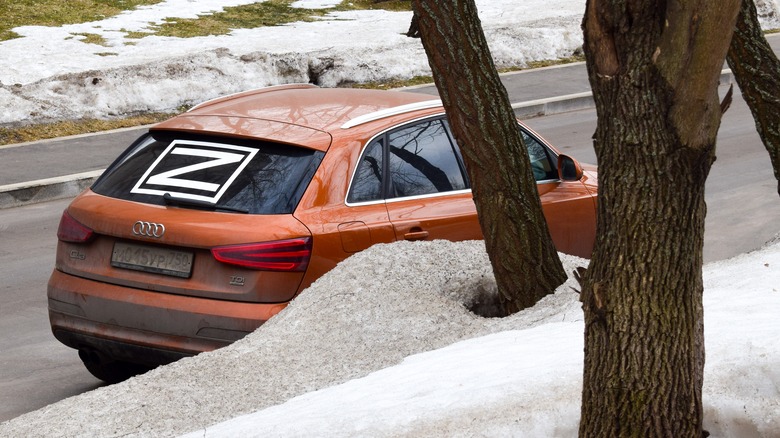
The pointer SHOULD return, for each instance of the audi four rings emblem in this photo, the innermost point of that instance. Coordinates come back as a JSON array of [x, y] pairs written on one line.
[[148, 229]]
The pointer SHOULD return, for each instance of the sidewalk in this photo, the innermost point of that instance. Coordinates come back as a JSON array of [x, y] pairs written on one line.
[[60, 168]]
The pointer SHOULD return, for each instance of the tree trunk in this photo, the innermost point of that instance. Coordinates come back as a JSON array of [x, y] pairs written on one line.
[[757, 72], [414, 28], [653, 67], [517, 239]]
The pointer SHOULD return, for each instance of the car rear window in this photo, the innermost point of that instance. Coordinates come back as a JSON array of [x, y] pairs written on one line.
[[255, 177]]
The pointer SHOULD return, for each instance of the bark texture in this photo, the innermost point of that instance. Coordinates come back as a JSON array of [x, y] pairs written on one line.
[[653, 67], [414, 28], [517, 239], [757, 72]]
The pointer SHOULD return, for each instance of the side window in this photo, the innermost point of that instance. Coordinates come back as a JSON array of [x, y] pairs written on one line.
[[422, 160], [367, 183], [540, 159]]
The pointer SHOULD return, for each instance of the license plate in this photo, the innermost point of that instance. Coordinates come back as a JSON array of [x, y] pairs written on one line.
[[152, 259]]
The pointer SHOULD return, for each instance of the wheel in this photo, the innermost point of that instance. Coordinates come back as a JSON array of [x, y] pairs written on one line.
[[110, 371]]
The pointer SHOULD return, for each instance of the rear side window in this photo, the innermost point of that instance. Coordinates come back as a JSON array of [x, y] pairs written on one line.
[[420, 159], [249, 176], [367, 185], [423, 161]]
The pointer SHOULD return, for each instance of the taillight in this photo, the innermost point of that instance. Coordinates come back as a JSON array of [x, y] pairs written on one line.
[[282, 255], [70, 230]]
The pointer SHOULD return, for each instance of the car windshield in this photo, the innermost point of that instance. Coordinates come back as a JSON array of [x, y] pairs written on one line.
[[230, 175]]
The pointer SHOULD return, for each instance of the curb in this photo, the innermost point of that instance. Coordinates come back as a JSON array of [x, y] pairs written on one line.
[[42, 190], [574, 102], [68, 186], [553, 105]]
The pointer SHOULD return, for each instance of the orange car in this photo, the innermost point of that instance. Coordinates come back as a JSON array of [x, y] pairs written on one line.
[[209, 224]]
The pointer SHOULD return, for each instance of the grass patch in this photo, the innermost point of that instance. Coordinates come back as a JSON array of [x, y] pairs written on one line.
[[267, 13], [135, 35], [61, 129], [92, 38], [387, 5], [395, 83], [559, 61], [58, 12]]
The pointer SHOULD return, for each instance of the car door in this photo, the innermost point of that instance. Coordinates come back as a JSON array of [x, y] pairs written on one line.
[[428, 195], [568, 205]]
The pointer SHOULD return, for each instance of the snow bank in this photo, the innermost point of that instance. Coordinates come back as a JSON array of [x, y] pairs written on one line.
[[50, 74], [527, 382], [370, 312], [384, 346], [768, 13]]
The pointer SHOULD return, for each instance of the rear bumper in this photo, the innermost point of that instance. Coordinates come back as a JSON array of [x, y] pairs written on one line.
[[145, 327]]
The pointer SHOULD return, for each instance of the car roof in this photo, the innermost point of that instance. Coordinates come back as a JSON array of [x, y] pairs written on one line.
[[298, 113]]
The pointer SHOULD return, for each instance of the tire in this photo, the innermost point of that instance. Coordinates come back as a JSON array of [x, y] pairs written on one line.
[[110, 371]]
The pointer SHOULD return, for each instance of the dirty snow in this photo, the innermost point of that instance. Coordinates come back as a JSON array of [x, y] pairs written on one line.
[[383, 346], [51, 74]]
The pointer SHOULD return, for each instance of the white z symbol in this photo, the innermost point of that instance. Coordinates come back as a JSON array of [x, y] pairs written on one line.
[[169, 178], [234, 156]]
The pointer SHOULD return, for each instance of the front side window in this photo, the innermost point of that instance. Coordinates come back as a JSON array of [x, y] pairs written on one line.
[[540, 159]]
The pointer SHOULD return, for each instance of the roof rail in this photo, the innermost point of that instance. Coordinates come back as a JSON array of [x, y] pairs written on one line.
[[253, 92], [388, 112]]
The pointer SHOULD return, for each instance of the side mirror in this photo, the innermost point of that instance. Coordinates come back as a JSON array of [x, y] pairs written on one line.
[[568, 168]]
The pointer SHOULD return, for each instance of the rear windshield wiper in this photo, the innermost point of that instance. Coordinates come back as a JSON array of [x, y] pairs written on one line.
[[184, 202]]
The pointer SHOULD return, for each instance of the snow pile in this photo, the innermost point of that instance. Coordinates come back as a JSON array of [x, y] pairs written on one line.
[[741, 332], [374, 309], [768, 13], [50, 74], [383, 346]]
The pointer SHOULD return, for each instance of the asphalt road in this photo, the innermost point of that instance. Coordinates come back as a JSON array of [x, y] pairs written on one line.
[[35, 369]]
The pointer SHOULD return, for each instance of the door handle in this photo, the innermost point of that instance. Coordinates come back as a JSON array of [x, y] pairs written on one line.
[[416, 234]]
